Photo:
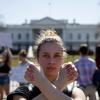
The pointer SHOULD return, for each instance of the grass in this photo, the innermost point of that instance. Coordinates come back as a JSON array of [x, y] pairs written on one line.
[[15, 61], [70, 58]]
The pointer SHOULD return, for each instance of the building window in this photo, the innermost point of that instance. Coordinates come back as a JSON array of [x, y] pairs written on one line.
[[12, 35], [79, 36], [96, 35], [19, 36], [70, 35], [27, 36], [59, 31], [36, 31], [87, 36], [87, 39]]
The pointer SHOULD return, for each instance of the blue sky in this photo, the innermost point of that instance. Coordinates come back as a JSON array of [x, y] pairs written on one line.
[[16, 11]]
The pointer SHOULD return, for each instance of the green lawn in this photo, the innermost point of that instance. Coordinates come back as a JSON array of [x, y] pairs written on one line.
[[69, 58], [74, 57], [15, 60]]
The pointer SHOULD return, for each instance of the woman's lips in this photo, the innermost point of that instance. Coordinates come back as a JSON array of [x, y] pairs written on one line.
[[51, 68]]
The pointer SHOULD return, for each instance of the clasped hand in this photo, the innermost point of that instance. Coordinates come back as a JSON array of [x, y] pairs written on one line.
[[67, 75]]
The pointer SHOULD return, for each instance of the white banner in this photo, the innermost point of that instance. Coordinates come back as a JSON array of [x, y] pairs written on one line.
[[5, 40]]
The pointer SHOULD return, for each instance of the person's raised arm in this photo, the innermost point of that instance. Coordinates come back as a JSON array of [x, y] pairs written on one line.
[[50, 91], [67, 75]]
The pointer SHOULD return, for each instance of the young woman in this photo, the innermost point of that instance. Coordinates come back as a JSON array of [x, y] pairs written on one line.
[[19, 71], [51, 77], [5, 67]]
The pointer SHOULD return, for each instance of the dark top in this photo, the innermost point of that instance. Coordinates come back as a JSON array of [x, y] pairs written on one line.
[[30, 94], [4, 68], [97, 59]]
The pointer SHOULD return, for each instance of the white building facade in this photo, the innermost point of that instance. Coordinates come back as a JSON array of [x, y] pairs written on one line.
[[73, 34]]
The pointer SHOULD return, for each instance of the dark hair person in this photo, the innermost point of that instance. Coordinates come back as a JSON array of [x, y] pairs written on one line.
[[97, 56], [86, 67], [51, 76], [97, 59], [5, 67]]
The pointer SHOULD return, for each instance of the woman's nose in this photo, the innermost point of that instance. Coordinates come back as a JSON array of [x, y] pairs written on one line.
[[51, 60]]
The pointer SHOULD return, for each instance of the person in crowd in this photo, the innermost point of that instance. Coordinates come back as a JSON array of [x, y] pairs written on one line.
[[51, 76], [21, 68], [5, 67], [86, 67], [97, 59]]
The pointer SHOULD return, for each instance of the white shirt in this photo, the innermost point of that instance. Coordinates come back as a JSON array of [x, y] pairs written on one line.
[[19, 72]]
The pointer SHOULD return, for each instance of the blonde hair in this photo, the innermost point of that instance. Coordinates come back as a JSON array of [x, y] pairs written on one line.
[[48, 35]]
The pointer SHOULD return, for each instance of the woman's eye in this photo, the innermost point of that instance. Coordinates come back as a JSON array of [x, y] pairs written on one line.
[[45, 56], [58, 56]]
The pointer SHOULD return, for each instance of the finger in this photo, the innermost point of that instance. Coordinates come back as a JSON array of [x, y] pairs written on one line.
[[31, 66], [29, 76], [71, 72], [71, 67]]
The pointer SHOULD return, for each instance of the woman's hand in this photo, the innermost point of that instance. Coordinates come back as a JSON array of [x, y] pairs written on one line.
[[70, 71], [34, 75], [67, 75]]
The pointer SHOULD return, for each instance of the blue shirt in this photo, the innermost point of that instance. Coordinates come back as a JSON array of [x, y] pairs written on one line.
[[86, 67]]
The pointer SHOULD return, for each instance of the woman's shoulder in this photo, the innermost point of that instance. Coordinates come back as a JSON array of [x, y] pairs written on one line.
[[74, 92], [78, 93], [76, 89]]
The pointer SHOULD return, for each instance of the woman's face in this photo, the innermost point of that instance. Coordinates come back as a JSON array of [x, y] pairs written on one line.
[[50, 58]]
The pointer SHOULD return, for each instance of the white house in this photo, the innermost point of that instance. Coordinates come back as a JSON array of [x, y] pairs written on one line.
[[73, 34]]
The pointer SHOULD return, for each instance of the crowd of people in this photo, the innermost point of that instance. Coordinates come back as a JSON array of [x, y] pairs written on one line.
[[51, 76]]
